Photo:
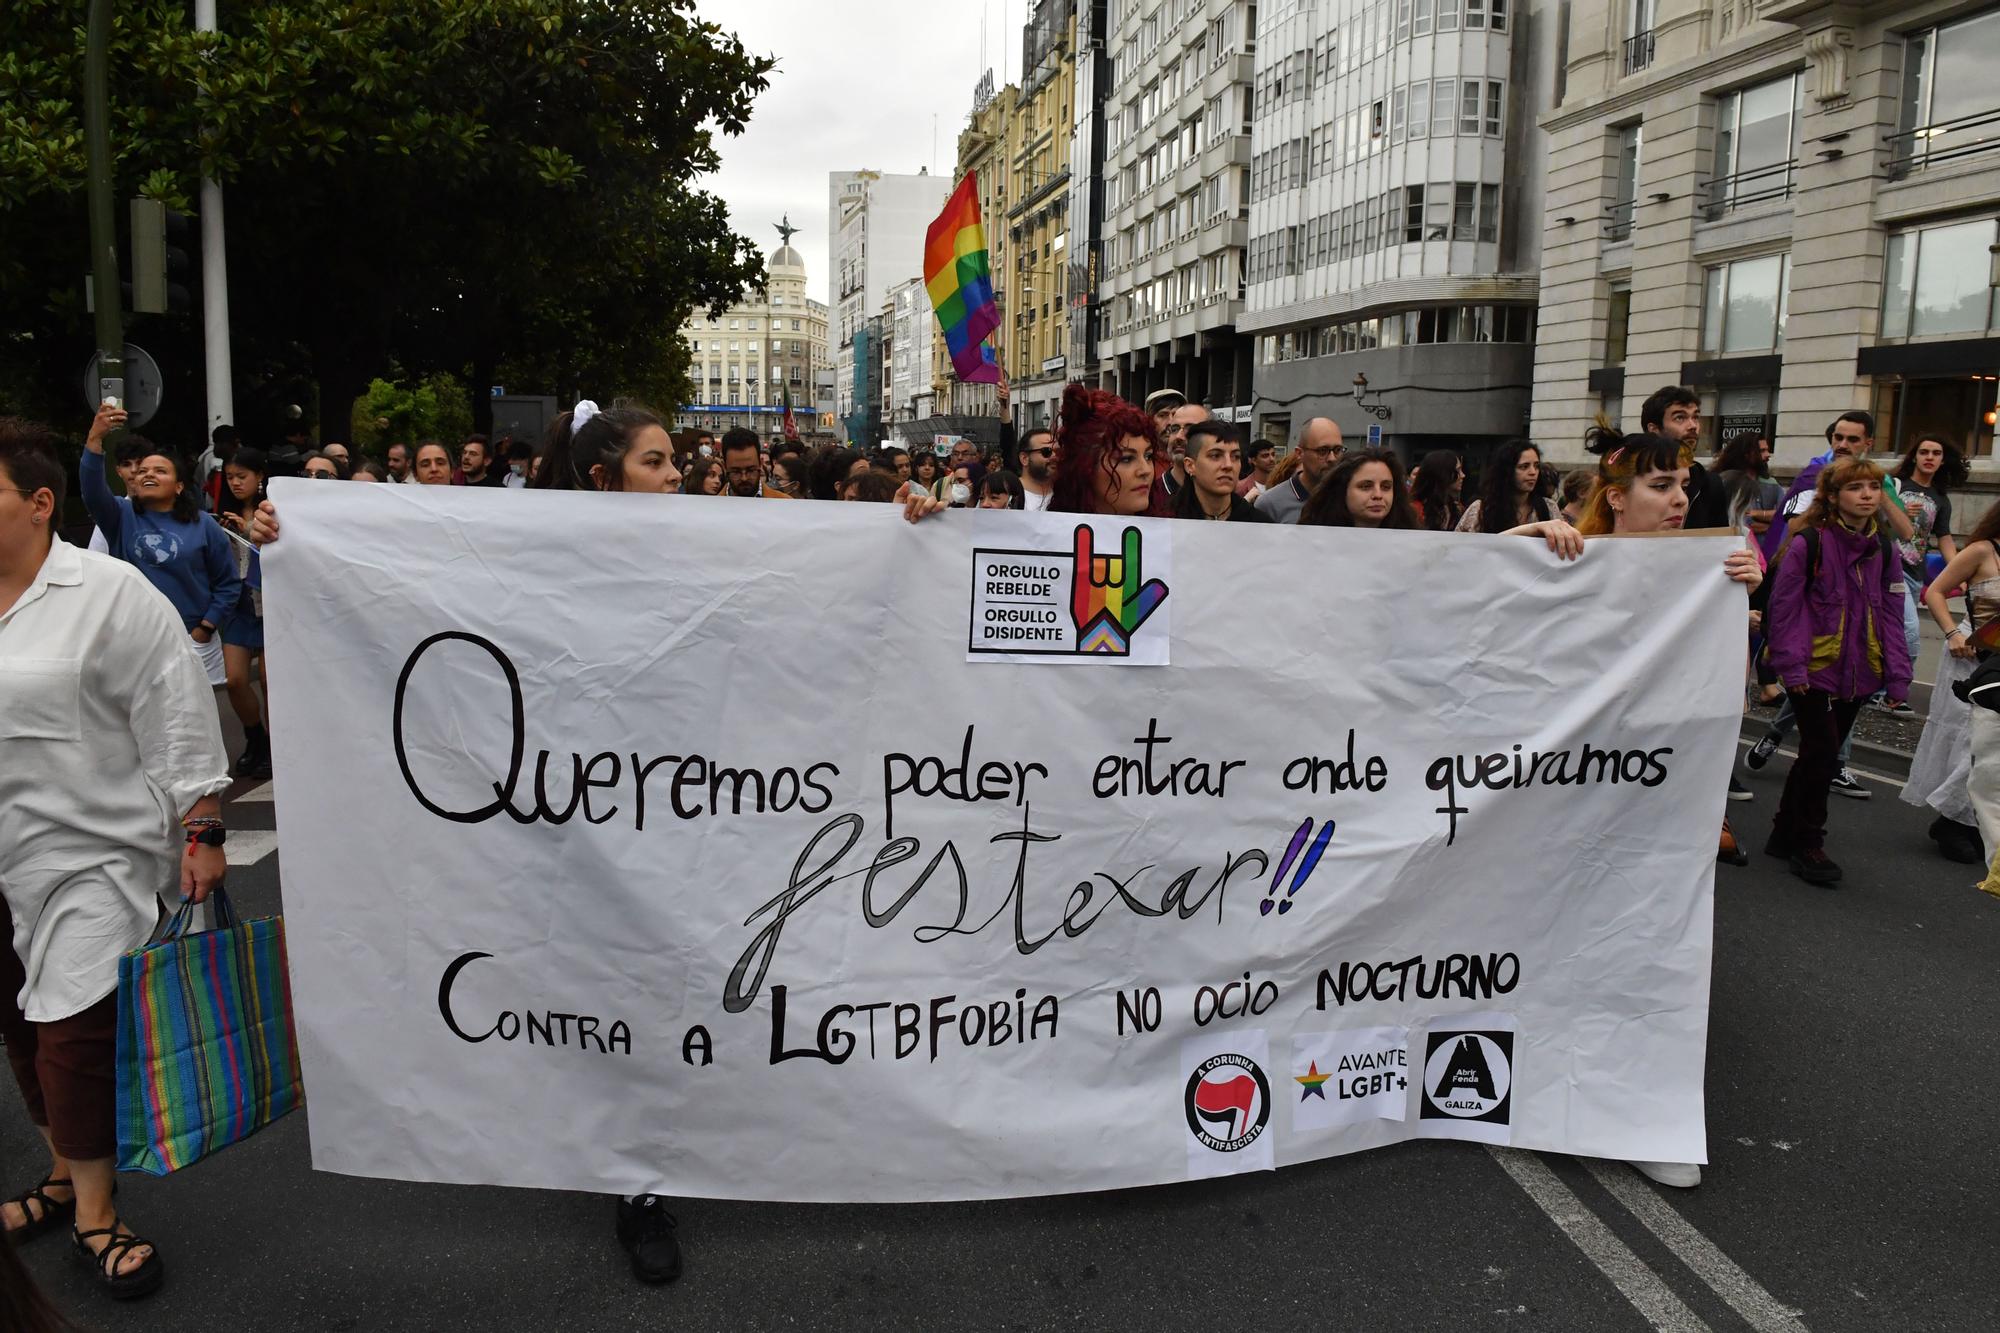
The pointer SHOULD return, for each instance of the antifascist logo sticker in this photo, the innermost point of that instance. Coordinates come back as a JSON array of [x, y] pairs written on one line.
[[1228, 1102]]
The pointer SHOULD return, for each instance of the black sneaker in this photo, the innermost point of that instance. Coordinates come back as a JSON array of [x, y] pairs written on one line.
[[1739, 792], [646, 1230], [1760, 753], [1844, 784], [1778, 845], [1816, 867]]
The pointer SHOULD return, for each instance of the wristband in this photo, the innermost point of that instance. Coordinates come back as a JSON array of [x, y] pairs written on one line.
[[208, 837]]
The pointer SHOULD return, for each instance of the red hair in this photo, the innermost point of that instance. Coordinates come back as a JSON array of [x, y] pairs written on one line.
[[1088, 432]]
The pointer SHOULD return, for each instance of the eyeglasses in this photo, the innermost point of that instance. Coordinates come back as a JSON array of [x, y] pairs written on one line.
[[1038, 453], [744, 472], [1328, 451], [18, 491], [321, 476]]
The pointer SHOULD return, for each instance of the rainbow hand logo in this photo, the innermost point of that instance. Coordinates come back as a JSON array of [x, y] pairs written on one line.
[[1111, 597]]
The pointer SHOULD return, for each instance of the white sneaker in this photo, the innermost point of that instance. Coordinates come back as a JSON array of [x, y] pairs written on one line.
[[1674, 1175]]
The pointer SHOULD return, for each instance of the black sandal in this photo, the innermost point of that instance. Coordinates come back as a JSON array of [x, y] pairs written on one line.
[[141, 1281], [53, 1214]]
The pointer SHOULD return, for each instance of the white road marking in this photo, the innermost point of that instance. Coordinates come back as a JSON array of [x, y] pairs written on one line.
[[1857, 772], [1745, 1294], [246, 847], [260, 793], [1648, 1294]]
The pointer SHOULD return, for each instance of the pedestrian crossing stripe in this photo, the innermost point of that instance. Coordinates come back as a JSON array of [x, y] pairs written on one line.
[[246, 847], [261, 792]]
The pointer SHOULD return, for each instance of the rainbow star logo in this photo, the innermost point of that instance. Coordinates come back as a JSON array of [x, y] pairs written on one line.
[[1313, 1082]]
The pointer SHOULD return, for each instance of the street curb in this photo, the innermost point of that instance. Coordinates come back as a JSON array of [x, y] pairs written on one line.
[[1882, 758]]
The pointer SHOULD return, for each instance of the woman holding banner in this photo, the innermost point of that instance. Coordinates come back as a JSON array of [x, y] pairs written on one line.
[[1365, 490], [108, 733]]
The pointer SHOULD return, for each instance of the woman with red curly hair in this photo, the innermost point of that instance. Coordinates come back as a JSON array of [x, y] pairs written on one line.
[[1108, 459]]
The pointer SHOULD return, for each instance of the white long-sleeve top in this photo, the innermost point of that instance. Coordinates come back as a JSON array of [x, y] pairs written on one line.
[[108, 735]]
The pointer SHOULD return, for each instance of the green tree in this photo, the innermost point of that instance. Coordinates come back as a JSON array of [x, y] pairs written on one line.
[[435, 407], [455, 185]]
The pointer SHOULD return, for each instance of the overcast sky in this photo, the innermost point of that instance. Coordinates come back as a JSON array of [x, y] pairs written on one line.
[[857, 85]]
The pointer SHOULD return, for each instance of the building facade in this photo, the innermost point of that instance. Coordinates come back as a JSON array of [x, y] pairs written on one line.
[[1034, 295], [986, 151], [1395, 221], [747, 361], [1791, 206], [908, 319], [876, 239], [1177, 119]]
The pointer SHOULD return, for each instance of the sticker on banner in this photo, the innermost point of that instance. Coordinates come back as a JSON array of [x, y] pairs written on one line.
[[1346, 1078], [1468, 1079], [1226, 1102], [1074, 605]]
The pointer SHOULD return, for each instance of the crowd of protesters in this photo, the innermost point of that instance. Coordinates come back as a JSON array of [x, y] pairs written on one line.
[[136, 641]]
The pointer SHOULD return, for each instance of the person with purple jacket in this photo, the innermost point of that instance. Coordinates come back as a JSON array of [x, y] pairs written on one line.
[[1835, 627]]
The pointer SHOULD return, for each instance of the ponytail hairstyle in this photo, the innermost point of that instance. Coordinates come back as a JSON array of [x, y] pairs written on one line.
[[1825, 510], [187, 505], [587, 438], [1622, 460], [1091, 426], [247, 458]]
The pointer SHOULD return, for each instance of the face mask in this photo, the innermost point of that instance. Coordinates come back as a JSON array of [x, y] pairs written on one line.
[[960, 493], [707, 452], [518, 469]]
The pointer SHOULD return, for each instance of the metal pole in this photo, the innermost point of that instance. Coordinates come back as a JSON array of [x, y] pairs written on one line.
[[214, 279], [103, 226]]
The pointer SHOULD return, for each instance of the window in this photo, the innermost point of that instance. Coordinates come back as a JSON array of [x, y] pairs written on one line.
[[1625, 194], [1951, 102], [1402, 20], [1936, 280], [1468, 106], [1639, 38], [1489, 212], [1444, 106], [1743, 310], [1475, 15], [1422, 25], [1447, 15], [1498, 11], [1617, 326], [1438, 202], [1413, 213], [1463, 204], [1420, 109], [795, 326], [1495, 122], [1754, 134], [1398, 104]]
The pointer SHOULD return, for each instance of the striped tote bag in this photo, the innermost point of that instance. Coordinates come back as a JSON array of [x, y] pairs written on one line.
[[206, 1051]]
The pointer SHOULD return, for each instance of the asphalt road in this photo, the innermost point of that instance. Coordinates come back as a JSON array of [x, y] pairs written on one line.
[[1852, 1080]]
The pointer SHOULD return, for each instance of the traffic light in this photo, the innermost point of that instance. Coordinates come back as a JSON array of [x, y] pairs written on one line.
[[164, 245]]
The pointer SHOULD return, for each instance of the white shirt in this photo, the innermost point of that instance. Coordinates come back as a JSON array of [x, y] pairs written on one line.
[[108, 735], [1032, 502]]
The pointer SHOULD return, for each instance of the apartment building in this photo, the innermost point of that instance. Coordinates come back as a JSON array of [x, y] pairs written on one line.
[[1792, 206], [1034, 293], [876, 224], [1177, 119], [1395, 231], [746, 361]]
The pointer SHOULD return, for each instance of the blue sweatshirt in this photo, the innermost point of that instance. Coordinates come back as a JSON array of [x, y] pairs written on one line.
[[190, 562]]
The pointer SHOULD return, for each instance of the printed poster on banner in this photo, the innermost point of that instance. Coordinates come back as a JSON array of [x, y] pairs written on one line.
[[1349, 1077], [1468, 1079], [1333, 877], [1226, 1098], [1103, 598]]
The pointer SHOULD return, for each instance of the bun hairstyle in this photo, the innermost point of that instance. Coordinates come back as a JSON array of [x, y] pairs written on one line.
[[1620, 460], [600, 441], [1089, 429]]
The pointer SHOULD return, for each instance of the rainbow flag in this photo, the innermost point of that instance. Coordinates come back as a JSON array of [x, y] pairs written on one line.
[[960, 281]]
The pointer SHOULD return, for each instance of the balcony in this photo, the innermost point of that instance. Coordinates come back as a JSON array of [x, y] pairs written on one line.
[[1759, 185], [1944, 142], [1638, 51]]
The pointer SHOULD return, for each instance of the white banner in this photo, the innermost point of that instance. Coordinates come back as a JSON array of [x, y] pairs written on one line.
[[692, 845]]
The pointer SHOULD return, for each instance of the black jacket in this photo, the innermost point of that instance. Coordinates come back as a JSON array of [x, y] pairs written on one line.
[[1188, 505]]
